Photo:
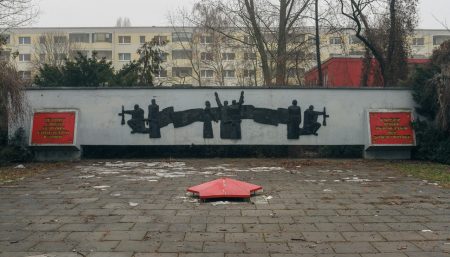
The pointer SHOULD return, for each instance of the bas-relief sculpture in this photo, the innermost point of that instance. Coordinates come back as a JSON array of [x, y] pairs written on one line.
[[229, 116]]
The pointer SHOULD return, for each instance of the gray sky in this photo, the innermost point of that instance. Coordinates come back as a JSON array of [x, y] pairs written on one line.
[[90, 13]]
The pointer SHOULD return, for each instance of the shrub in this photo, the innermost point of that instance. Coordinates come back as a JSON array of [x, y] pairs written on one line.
[[16, 150]]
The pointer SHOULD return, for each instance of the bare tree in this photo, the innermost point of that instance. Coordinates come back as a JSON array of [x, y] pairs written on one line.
[[385, 34], [53, 48], [204, 48], [15, 13], [123, 22], [269, 25], [12, 104]]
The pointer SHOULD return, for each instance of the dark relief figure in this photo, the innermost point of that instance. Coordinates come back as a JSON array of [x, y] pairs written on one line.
[[208, 117], [235, 114], [230, 118], [137, 121], [294, 120], [153, 120], [311, 125]]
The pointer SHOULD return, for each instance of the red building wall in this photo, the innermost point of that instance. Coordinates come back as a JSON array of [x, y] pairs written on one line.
[[346, 72]]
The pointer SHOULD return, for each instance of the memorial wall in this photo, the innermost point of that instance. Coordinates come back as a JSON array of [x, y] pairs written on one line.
[[218, 116]]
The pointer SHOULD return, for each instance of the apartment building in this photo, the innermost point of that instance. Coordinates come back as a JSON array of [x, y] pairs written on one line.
[[191, 57]]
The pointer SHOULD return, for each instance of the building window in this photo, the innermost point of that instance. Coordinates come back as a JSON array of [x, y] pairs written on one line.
[[206, 56], [6, 39], [357, 53], [438, 40], [79, 38], [59, 57], [249, 56], [293, 72], [5, 55], [161, 73], [353, 39], [296, 38], [181, 54], [228, 74], [206, 39], [181, 36], [249, 73], [335, 41], [75, 53], [24, 57], [228, 56], [24, 40], [311, 40], [60, 39], [102, 37], [249, 40], [142, 39], [160, 40], [163, 56], [42, 40], [124, 57], [124, 39], [181, 72], [206, 73], [25, 75], [418, 41], [107, 55]]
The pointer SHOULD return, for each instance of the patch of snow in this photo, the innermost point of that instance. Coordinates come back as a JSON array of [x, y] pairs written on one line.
[[116, 194], [220, 203], [133, 204], [327, 190], [356, 179], [259, 169], [101, 187], [215, 168], [426, 230], [86, 176], [20, 166], [224, 174], [109, 172]]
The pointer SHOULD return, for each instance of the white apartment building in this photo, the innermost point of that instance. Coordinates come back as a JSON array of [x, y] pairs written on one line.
[[191, 58]]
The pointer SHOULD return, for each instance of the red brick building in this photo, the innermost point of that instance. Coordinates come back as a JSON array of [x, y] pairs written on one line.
[[346, 72]]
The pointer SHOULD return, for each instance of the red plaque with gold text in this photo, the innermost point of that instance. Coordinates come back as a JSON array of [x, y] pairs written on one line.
[[391, 128], [54, 128]]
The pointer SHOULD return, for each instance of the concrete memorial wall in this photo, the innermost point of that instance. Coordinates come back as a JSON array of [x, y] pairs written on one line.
[[215, 116]]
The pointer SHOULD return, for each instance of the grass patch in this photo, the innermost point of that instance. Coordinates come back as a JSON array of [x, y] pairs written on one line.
[[10, 173], [433, 172]]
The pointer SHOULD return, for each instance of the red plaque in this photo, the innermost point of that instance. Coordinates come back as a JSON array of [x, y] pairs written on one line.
[[53, 128], [391, 128]]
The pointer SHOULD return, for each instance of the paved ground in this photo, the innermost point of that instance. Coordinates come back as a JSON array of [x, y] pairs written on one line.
[[308, 208]]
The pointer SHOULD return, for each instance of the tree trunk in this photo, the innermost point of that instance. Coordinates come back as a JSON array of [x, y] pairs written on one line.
[[3, 117], [281, 48], [365, 70], [389, 72], [319, 61], [249, 4]]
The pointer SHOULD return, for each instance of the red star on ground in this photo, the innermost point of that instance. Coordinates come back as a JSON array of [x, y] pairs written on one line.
[[224, 188]]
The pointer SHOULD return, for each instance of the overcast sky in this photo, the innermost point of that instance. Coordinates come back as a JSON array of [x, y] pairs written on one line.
[[90, 13]]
